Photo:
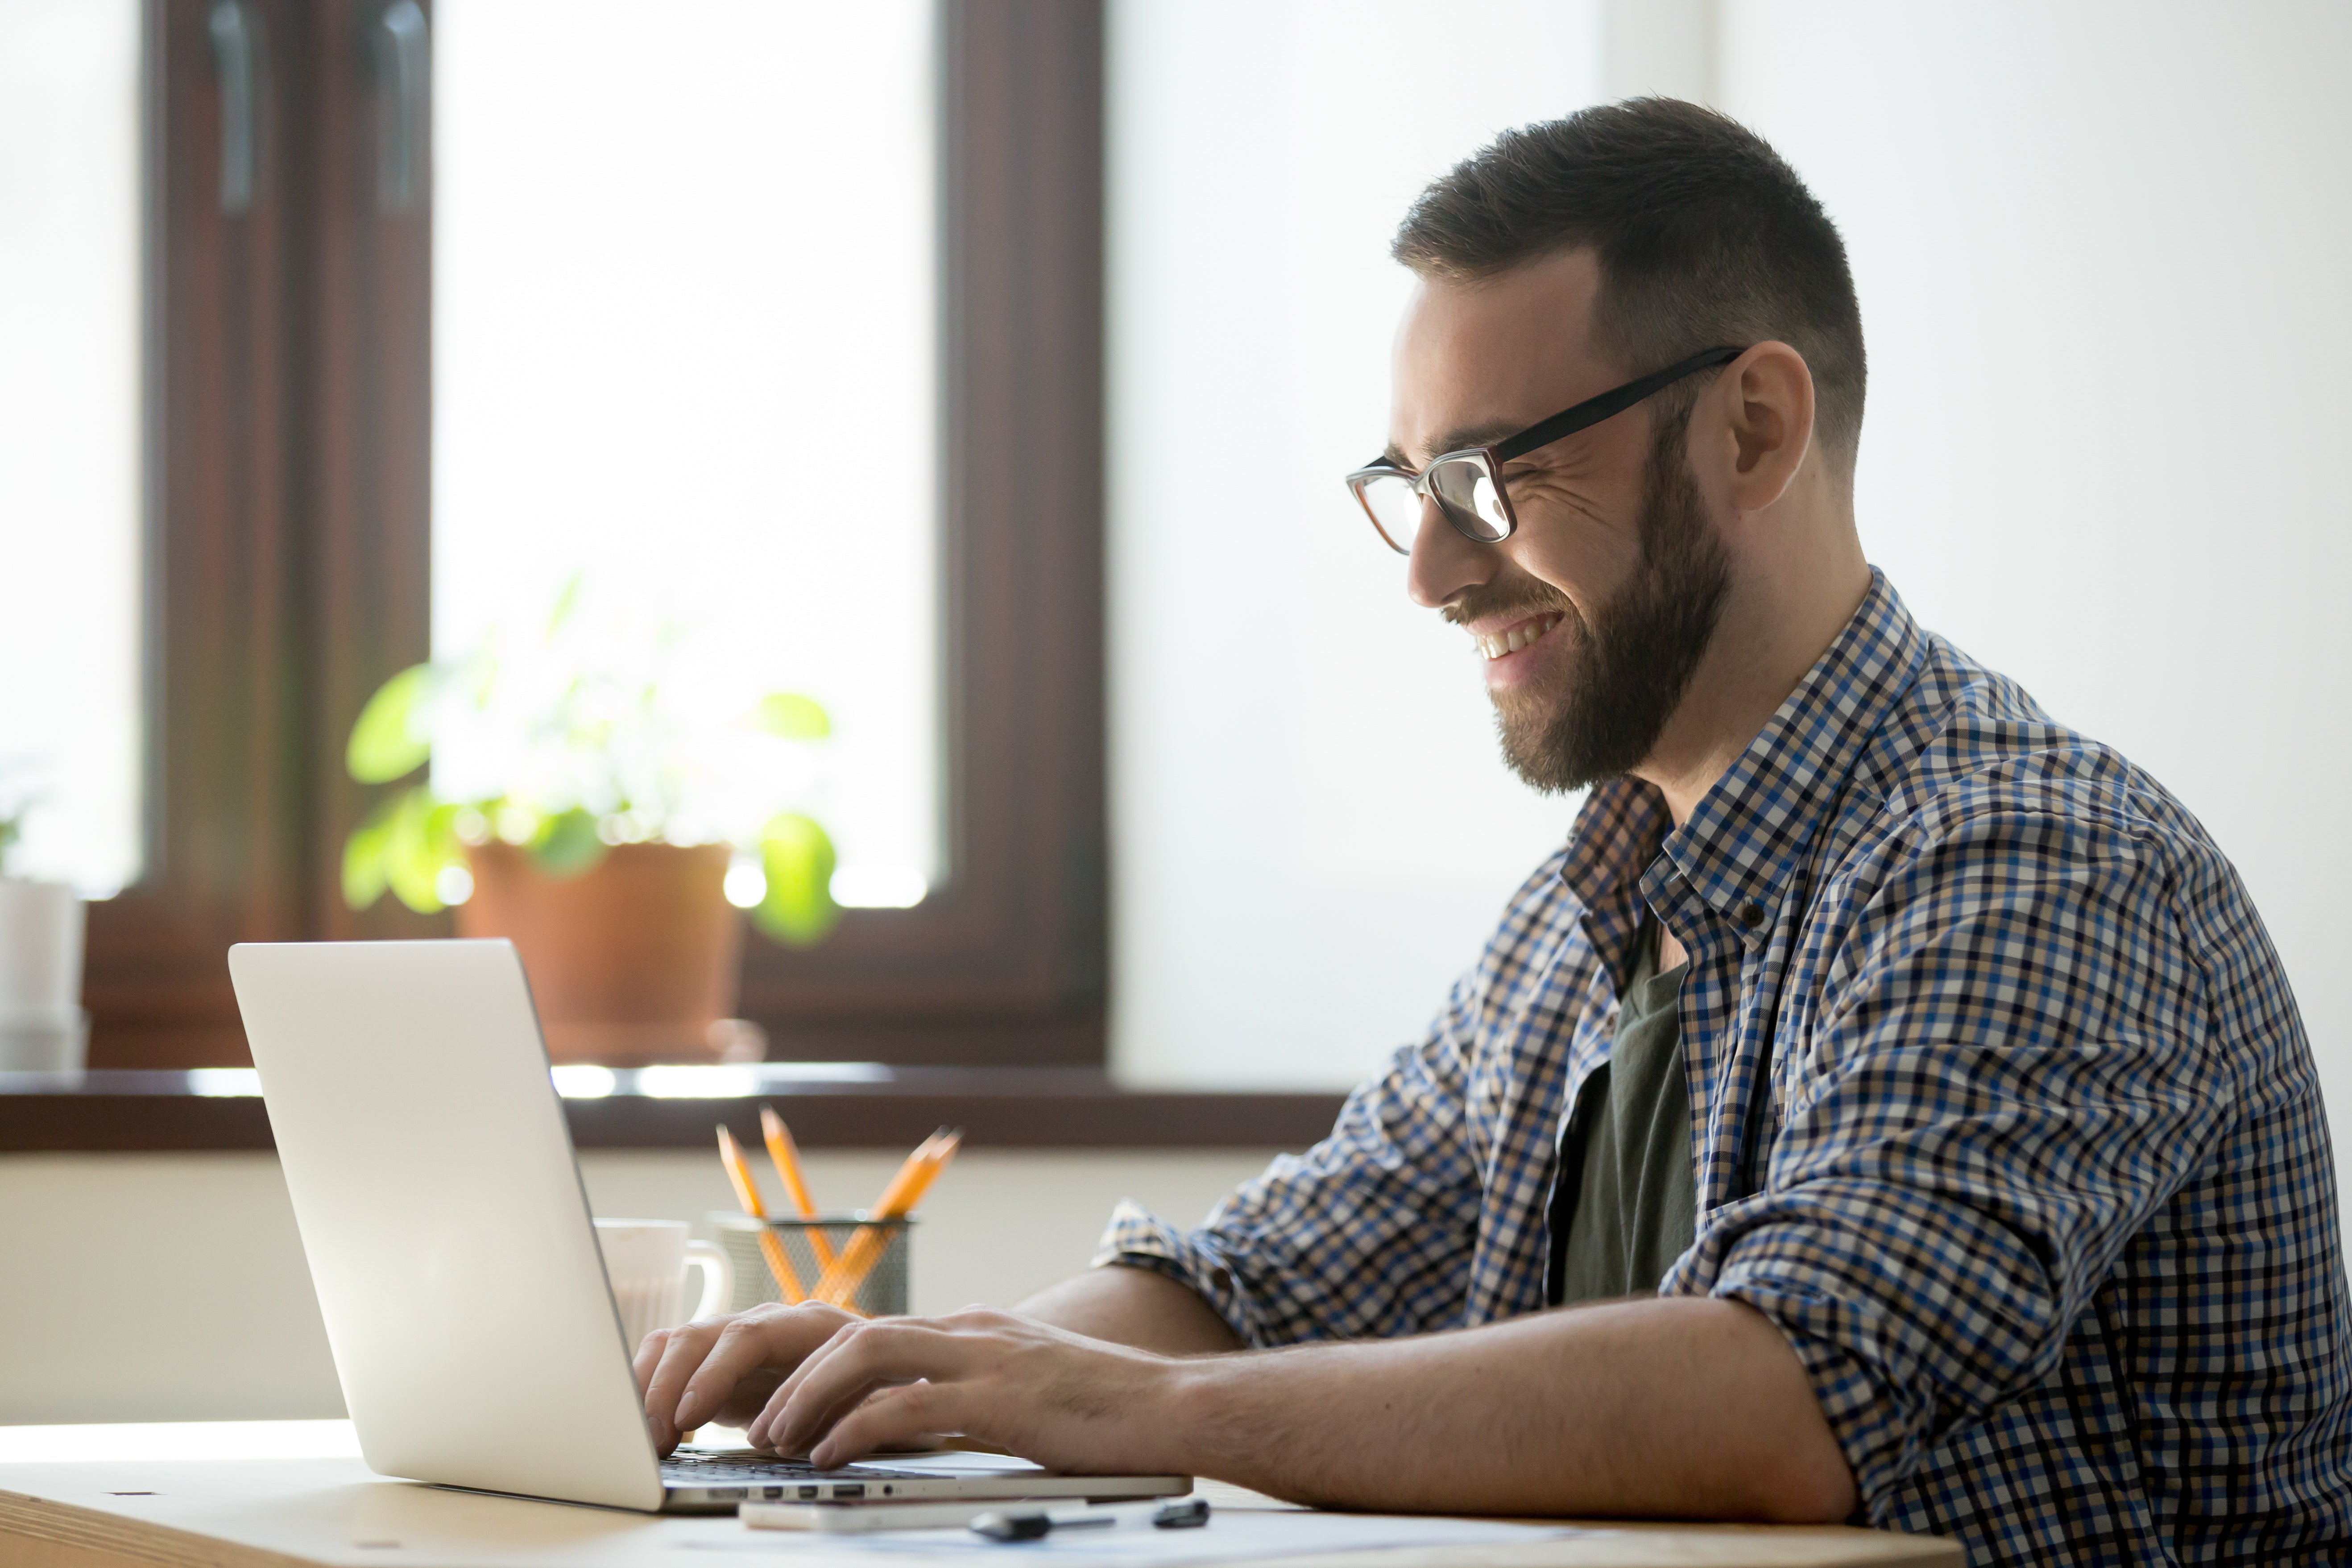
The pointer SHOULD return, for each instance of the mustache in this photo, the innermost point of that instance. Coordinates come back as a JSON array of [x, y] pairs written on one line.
[[1523, 598]]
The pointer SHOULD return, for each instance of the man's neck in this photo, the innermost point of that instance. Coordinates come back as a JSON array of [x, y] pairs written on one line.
[[1773, 631]]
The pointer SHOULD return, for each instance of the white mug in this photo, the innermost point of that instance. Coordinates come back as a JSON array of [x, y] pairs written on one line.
[[645, 1260]]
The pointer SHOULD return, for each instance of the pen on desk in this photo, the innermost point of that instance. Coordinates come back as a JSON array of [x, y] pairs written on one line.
[[739, 1172], [786, 1157], [1037, 1523], [839, 1284]]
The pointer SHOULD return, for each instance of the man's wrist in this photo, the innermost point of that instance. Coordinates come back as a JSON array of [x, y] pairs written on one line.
[[1187, 1413], [1240, 1417]]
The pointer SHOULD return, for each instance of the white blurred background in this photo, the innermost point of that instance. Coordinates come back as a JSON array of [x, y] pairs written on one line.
[[70, 516]]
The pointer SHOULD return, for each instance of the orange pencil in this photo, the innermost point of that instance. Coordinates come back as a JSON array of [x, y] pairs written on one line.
[[830, 1286], [840, 1284], [739, 1172], [787, 1158]]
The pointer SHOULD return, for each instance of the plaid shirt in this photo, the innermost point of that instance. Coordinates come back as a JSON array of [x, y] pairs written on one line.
[[2040, 1193]]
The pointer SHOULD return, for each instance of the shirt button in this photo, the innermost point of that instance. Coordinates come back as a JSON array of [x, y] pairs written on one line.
[[1751, 915]]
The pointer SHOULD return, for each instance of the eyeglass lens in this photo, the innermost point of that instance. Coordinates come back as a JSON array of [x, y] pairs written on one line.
[[1395, 506], [1464, 489]]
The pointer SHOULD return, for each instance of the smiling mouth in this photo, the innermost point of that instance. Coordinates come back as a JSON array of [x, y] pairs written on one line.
[[1515, 638]]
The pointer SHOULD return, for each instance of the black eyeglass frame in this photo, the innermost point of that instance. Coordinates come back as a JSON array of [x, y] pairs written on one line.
[[1489, 459]]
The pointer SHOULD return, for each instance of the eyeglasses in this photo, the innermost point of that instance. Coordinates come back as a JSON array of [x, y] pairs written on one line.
[[1467, 485]]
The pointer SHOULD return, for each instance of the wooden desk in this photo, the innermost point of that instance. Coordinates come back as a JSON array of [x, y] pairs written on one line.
[[266, 1512]]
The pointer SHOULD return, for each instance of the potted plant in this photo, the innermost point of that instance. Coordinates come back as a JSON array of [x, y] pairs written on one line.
[[606, 811], [42, 1026]]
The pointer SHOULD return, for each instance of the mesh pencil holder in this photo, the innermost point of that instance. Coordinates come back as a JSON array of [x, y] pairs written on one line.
[[878, 1246]]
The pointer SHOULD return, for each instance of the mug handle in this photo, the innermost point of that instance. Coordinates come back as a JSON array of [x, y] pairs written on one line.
[[717, 1277]]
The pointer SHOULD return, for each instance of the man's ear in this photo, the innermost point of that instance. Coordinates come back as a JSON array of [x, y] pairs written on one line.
[[1764, 403]]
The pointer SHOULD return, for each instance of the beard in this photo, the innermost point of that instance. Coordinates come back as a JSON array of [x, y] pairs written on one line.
[[1628, 665]]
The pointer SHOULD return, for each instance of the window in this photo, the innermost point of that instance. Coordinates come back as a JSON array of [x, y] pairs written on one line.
[[291, 450], [686, 352], [71, 740]]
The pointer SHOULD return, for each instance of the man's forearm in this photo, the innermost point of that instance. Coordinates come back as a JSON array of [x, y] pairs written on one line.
[[1132, 1307], [1665, 1408]]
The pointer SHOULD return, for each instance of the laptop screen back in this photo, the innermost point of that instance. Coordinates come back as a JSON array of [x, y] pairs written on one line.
[[447, 1234]]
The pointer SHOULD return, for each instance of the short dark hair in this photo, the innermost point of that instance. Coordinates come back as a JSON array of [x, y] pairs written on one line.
[[1705, 236]]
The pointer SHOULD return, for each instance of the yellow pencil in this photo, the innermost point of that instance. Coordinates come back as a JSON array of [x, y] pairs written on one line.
[[838, 1285], [841, 1282], [739, 1172], [786, 1157]]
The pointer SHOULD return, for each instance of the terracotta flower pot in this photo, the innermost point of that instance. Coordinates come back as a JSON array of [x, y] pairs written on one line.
[[637, 961]]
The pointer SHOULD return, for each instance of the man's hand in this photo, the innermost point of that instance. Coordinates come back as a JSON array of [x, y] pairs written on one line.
[[724, 1369], [1069, 1402], [1677, 1407]]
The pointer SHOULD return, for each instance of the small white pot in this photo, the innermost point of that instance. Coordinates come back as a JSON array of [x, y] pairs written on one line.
[[42, 1026]]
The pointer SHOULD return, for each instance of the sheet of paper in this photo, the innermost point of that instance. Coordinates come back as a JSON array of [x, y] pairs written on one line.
[[1227, 1537]]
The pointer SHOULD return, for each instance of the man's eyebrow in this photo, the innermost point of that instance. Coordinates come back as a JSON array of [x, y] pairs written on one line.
[[1454, 441]]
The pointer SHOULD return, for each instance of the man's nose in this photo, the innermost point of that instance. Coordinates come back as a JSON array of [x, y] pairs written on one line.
[[1444, 562]]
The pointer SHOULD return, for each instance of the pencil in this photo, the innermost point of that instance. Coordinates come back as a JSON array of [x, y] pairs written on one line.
[[739, 1172], [786, 1157], [840, 1283]]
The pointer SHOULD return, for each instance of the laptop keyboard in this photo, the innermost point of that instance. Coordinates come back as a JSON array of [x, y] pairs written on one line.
[[741, 1468]]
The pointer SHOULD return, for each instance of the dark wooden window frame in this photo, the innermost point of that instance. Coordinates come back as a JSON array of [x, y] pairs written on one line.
[[289, 431]]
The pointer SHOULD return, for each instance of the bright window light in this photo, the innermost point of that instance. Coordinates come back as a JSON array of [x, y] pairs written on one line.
[[69, 445], [225, 1083], [684, 1082], [454, 885], [879, 886], [746, 884], [685, 346], [582, 1080]]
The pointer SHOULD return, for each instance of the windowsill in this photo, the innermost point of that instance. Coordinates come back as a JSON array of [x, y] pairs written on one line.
[[832, 1105]]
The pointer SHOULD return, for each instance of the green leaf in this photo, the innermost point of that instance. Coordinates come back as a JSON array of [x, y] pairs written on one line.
[[798, 858], [566, 844], [421, 842], [792, 716], [366, 868], [565, 603], [387, 741]]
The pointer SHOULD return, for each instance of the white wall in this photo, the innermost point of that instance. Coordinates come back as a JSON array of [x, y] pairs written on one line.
[[1312, 828], [171, 1287], [2103, 253]]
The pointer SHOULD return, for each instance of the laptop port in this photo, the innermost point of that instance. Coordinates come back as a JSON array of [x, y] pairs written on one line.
[[849, 1491], [809, 1494], [771, 1493]]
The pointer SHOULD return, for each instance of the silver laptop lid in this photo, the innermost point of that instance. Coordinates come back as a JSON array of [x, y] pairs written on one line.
[[448, 1237]]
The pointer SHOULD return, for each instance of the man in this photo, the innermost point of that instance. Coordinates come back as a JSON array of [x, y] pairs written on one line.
[[1899, 1089]]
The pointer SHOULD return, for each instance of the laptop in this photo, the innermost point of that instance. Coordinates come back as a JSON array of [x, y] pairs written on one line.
[[448, 1236]]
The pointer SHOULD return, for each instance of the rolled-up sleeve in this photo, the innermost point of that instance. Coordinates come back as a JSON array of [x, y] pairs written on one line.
[[2010, 1071], [1368, 1233]]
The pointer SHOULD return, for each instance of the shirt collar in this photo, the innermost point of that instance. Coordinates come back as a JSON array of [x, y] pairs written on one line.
[[1742, 845]]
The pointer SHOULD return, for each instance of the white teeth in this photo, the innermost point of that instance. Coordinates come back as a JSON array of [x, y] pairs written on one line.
[[1517, 637]]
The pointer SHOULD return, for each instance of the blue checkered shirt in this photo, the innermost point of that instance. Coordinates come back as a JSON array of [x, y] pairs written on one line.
[[2041, 1193]]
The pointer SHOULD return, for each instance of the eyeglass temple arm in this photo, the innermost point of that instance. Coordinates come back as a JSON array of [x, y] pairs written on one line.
[[1594, 410]]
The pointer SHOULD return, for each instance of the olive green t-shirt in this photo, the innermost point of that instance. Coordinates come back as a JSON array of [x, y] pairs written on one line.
[[1626, 1206]]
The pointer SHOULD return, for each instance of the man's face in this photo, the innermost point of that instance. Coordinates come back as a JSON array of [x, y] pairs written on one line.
[[1592, 618]]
